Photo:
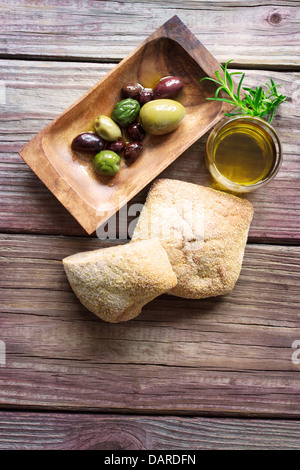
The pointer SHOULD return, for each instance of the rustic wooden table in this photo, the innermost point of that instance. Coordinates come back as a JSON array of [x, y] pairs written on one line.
[[218, 373]]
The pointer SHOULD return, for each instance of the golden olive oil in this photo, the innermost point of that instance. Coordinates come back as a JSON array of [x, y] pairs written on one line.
[[244, 152]]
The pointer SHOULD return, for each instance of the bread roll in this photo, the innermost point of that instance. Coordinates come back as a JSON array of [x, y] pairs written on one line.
[[204, 232], [116, 282]]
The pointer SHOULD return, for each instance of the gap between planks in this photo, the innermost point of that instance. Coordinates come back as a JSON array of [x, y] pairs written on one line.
[[251, 240], [95, 60]]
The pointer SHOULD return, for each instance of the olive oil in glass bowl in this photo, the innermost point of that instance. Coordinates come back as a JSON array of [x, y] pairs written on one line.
[[243, 153]]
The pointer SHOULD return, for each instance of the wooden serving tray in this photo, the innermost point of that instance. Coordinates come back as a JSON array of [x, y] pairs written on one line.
[[171, 50]]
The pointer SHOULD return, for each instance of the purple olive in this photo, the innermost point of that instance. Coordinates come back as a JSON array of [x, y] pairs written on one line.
[[88, 142], [132, 90], [132, 152], [145, 96], [168, 87], [117, 146], [135, 131]]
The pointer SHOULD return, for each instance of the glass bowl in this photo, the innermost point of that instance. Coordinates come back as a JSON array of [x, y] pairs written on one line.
[[214, 140]]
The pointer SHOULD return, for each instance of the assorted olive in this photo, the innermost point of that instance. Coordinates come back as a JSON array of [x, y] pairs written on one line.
[[107, 163], [145, 96], [133, 151], [116, 146], [168, 87], [107, 128], [126, 111], [161, 116], [88, 142], [135, 131], [132, 90], [140, 111]]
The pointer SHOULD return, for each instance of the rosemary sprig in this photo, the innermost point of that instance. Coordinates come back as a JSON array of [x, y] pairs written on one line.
[[256, 101]]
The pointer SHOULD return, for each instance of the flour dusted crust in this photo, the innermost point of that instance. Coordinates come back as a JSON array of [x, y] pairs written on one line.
[[116, 282], [204, 232]]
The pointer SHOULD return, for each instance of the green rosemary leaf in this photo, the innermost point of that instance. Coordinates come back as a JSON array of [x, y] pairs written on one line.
[[256, 102], [250, 90], [229, 80], [271, 115], [221, 99], [273, 85], [257, 99], [210, 79], [218, 76], [219, 89], [231, 114], [228, 62], [239, 86]]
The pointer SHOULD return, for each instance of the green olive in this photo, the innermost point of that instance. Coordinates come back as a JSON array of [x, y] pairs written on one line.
[[126, 111], [107, 163], [107, 128], [161, 116]]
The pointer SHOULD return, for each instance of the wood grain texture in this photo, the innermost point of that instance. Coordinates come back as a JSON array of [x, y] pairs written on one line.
[[103, 30], [36, 92], [228, 355], [65, 431]]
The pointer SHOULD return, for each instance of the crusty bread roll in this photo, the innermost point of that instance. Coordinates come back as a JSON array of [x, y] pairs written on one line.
[[204, 232], [116, 282]]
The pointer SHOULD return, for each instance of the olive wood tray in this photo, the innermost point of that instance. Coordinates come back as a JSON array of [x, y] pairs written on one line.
[[170, 50]]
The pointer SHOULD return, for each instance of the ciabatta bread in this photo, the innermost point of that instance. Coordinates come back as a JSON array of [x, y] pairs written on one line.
[[116, 282], [204, 232]]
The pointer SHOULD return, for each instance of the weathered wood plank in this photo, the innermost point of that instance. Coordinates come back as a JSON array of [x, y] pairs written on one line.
[[267, 34], [65, 431], [226, 355], [36, 92]]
